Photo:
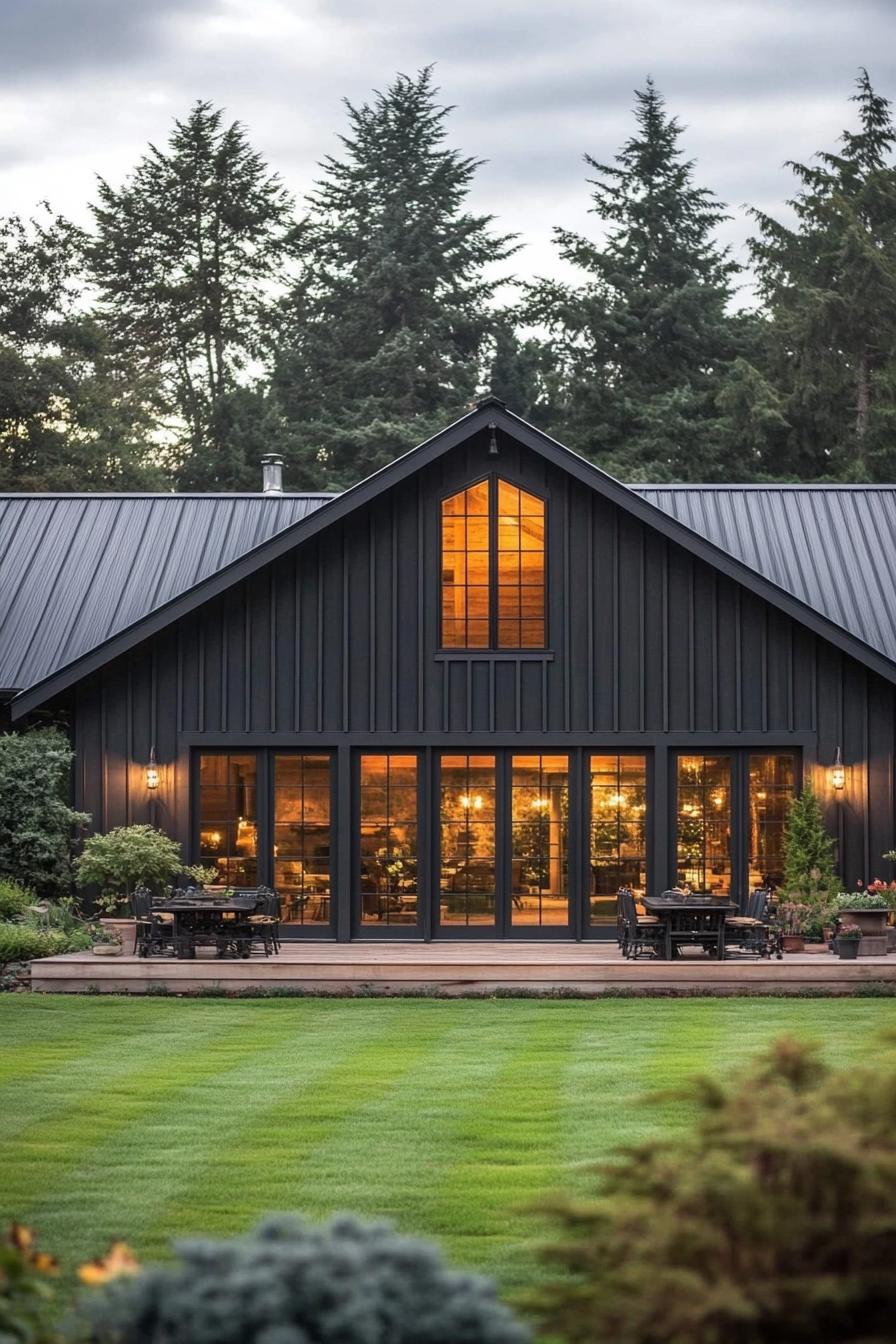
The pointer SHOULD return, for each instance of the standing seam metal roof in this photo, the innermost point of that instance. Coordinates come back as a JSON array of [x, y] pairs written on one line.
[[77, 569]]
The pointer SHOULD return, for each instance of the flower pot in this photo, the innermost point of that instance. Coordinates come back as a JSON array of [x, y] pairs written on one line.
[[125, 930], [793, 942], [891, 937], [106, 949], [848, 948]]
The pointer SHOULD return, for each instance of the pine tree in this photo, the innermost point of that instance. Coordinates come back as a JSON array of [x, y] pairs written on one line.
[[188, 257], [809, 874], [75, 414], [386, 331], [829, 284], [642, 344]]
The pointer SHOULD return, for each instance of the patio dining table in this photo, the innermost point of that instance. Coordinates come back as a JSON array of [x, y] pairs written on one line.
[[698, 921], [210, 919]]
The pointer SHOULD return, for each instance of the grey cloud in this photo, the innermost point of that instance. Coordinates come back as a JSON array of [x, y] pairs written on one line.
[[40, 37]]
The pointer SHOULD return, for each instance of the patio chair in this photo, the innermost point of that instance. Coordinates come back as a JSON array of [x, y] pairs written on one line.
[[155, 928], [265, 921], [750, 933], [642, 932]]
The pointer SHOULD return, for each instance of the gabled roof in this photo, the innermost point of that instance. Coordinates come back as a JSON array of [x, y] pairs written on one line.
[[76, 569], [707, 521]]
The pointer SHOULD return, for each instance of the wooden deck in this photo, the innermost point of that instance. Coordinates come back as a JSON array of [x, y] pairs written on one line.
[[588, 968]]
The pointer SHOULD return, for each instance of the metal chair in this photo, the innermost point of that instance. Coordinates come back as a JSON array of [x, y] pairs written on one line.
[[265, 921], [751, 933], [155, 928], [642, 932]]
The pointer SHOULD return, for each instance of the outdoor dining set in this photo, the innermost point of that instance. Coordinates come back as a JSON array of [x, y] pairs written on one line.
[[675, 920], [235, 922]]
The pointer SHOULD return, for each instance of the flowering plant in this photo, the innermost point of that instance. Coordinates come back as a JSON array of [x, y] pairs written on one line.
[[867, 898], [851, 932]]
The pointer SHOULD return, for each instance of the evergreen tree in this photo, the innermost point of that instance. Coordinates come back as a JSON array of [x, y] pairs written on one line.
[[830, 287], [809, 874], [74, 414], [385, 333], [188, 256], [641, 346]]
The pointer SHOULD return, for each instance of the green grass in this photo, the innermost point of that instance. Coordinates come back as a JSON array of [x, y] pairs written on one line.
[[154, 1118]]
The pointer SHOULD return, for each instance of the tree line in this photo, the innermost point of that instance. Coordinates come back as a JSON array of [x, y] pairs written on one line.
[[203, 319]]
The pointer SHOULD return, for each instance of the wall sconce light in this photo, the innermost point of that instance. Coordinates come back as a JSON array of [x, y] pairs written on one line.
[[152, 771], [838, 772]]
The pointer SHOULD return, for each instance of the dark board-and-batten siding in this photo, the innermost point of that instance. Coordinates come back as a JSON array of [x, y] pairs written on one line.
[[337, 642]]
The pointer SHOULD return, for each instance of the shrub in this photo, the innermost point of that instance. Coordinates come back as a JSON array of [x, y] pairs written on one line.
[[124, 858], [14, 899], [37, 826], [771, 1217], [21, 942], [290, 1281], [28, 1293]]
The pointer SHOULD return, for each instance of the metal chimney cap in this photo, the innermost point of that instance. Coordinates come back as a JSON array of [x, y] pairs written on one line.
[[272, 474]]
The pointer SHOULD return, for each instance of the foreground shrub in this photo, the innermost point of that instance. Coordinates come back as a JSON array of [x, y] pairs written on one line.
[[14, 899], [37, 826], [290, 1282], [770, 1220], [21, 942], [28, 1298]]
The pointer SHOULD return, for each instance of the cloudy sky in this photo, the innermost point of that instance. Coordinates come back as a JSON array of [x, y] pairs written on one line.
[[84, 84]]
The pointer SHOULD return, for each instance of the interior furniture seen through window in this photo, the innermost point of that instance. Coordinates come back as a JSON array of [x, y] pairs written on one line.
[[704, 824], [772, 785], [493, 568], [388, 871]]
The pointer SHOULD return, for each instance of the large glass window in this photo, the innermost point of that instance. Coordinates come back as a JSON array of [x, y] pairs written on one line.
[[467, 814], [388, 839], [493, 568], [704, 824], [772, 785], [228, 817], [540, 822], [618, 832], [302, 837]]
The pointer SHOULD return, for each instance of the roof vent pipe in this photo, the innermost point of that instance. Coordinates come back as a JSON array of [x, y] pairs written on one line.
[[272, 474]]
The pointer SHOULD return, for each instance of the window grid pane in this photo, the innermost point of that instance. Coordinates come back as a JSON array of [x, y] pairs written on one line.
[[388, 796], [466, 568], [520, 569], [228, 817], [704, 824], [540, 822], [772, 786], [302, 837], [618, 832], [467, 815]]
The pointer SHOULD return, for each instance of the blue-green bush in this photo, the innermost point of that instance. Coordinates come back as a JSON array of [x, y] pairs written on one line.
[[292, 1282]]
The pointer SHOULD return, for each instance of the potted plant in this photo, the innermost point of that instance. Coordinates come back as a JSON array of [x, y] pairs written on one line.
[[888, 891], [869, 911], [792, 916], [848, 941], [119, 861]]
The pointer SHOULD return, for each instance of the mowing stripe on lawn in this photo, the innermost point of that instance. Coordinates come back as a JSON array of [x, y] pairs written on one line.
[[353, 1059], [155, 1135]]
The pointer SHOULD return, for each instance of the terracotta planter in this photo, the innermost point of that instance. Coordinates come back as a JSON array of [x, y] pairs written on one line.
[[873, 923], [793, 942], [126, 931]]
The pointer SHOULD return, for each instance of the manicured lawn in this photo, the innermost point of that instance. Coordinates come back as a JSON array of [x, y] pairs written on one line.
[[152, 1118]]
